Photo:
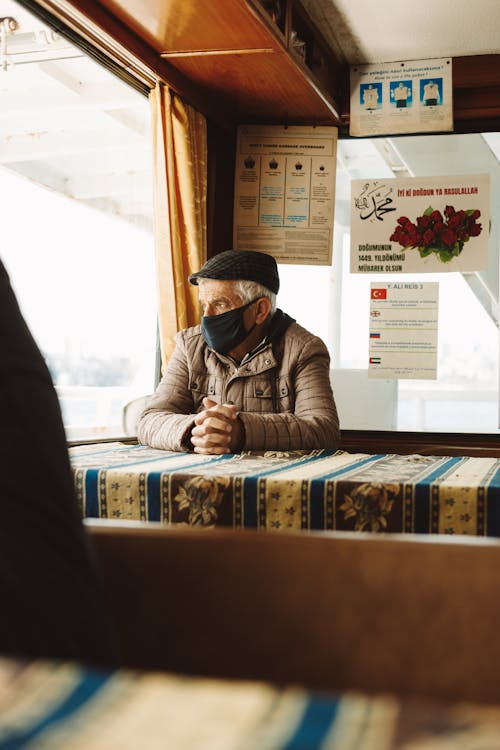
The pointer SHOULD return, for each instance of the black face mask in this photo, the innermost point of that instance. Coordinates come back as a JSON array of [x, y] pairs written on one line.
[[225, 331]]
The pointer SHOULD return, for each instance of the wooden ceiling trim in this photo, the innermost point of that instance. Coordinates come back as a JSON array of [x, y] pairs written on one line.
[[183, 25], [202, 53], [266, 87]]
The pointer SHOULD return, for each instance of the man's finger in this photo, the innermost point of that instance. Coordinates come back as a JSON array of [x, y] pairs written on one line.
[[228, 410], [203, 416], [214, 439], [208, 403], [214, 450], [212, 424]]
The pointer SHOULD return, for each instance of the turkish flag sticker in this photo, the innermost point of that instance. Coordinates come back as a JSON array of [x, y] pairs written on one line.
[[378, 294]]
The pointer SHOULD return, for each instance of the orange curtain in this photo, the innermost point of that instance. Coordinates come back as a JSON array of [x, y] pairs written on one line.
[[180, 198]]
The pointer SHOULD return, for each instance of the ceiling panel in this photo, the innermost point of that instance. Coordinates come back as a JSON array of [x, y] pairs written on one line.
[[389, 30]]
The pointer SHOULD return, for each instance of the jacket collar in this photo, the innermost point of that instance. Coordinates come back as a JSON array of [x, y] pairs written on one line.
[[279, 323]]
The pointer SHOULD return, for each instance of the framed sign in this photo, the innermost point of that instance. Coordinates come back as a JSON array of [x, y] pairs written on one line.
[[403, 330], [414, 96], [420, 224], [284, 192]]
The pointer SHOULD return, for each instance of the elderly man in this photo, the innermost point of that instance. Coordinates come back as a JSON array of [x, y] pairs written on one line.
[[249, 377]]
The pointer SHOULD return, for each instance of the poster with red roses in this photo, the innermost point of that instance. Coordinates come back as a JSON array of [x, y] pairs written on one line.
[[420, 224]]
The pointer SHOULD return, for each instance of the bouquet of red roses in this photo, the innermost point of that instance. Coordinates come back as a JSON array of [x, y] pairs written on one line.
[[434, 233]]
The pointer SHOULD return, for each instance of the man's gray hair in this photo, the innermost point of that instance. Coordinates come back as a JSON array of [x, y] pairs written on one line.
[[250, 290]]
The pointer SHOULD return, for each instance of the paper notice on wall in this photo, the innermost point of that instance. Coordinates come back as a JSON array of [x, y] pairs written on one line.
[[284, 192], [403, 330], [420, 224], [415, 96]]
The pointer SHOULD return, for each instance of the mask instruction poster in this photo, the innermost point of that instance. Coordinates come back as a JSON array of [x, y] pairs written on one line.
[[403, 330], [414, 96], [420, 224], [284, 192]]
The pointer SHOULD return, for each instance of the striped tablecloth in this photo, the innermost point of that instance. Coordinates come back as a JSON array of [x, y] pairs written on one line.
[[293, 490], [50, 706]]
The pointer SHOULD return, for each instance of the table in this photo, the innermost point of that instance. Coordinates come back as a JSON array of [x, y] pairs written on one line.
[[290, 490], [62, 706]]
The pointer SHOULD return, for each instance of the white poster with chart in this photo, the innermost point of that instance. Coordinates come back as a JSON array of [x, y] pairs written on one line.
[[403, 330], [414, 96], [284, 192]]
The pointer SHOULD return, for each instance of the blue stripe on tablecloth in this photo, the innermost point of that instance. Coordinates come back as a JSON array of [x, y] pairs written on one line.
[[249, 491], [441, 470], [164, 459], [493, 505], [153, 496], [421, 508], [207, 461], [84, 692], [91, 509], [315, 724], [351, 467], [317, 504], [422, 496], [289, 465]]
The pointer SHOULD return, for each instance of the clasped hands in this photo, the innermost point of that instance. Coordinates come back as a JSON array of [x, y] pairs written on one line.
[[217, 429]]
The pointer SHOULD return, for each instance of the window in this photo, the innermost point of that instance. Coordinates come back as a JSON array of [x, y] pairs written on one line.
[[76, 185], [464, 397]]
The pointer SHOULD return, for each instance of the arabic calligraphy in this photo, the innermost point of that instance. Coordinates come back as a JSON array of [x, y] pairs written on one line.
[[374, 202]]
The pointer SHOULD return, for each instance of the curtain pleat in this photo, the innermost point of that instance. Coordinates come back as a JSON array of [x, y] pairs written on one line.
[[180, 199]]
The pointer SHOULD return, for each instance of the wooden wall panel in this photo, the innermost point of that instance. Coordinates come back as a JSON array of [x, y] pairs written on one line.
[[423, 443], [476, 70], [480, 101], [221, 158]]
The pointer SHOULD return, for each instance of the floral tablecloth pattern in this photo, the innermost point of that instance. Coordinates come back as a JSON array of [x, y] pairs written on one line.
[[291, 490]]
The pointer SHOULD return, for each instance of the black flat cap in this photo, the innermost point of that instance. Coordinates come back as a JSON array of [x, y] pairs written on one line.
[[248, 265]]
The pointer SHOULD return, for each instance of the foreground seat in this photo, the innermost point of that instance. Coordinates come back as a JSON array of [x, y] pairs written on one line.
[[411, 616]]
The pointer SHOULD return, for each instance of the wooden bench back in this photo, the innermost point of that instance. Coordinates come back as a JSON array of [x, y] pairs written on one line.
[[412, 616]]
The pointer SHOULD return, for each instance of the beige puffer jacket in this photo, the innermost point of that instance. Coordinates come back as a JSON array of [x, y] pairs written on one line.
[[282, 392]]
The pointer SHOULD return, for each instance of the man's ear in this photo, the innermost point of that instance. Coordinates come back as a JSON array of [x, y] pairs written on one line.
[[263, 308]]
